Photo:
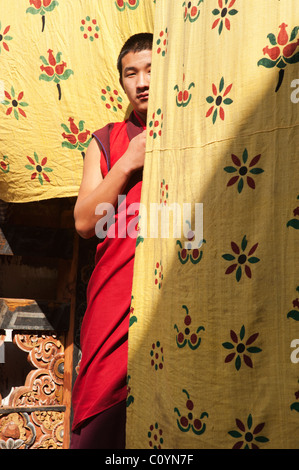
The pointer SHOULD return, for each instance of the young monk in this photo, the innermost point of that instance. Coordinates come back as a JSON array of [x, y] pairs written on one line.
[[113, 167]]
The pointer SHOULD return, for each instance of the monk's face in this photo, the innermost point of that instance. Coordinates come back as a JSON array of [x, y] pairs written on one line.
[[136, 74]]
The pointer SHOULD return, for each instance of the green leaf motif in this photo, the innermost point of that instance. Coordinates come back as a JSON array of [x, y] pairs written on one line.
[[245, 156], [51, 6], [67, 130], [239, 273], [228, 345], [293, 223], [253, 259], [295, 406], [235, 434], [214, 116], [230, 169], [240, 185], [44, 60], [256, 171], [254, 350], [221, 84], [29, 167], [32, 10], [58, 57], [244, 243], [227, 101], [69, 145], [242, 332], [269, 64], [293, 59], [238, 363], [261, 439], [294, 33], [228, 257], [233, 12], [272, 39], [281, 64], [249, 421], [210, 99], [294, 314], [45, 77], [66, 74]]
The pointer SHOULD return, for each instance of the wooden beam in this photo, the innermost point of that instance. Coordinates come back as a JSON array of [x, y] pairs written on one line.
[[36, 315]]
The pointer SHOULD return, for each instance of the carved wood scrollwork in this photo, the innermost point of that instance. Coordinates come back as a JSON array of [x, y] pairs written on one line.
[[43, 386], [28, 420]]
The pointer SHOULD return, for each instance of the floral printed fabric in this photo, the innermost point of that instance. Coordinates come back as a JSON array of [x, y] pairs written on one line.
[[212, 338], [58, 84]]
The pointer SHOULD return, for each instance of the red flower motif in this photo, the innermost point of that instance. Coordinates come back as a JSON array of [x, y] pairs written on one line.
[[15, 104], [218, 100], [223, 12], [38, 168], [4, 38]]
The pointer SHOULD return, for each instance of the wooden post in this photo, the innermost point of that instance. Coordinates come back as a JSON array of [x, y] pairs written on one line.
[[69, 346]]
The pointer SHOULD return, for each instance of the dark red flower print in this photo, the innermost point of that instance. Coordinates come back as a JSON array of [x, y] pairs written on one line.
[[188, 335], [157, 357], [190, 420], [247, 435], [155, 435], [241, 171], [239, 348], [241, 259]]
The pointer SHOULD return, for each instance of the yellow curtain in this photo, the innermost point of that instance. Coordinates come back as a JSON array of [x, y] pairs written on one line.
[[213, 356], [58, 84]]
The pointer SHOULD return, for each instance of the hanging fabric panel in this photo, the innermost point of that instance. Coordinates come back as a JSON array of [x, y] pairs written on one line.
[[213, 354], [58, 84]]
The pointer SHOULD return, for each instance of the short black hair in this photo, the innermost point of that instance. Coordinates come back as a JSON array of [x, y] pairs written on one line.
[[136, 43]]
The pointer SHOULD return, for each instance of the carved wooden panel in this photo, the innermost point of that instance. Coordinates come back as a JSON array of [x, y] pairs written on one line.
[[34, 415], [35, 430]]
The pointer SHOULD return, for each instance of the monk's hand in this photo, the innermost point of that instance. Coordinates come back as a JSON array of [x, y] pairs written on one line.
[[135, 154]]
